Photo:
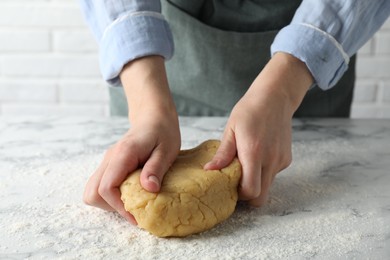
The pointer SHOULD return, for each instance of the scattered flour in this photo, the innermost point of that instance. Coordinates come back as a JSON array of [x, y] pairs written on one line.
[[309, 215]]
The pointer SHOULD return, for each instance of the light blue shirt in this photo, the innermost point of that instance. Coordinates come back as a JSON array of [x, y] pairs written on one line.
[[323, 33]]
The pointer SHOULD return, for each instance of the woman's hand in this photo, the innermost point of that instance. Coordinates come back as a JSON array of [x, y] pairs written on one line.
[[152, 142], [259, 128]]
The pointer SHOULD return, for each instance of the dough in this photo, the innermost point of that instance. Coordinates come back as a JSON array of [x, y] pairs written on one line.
[[191, 200]]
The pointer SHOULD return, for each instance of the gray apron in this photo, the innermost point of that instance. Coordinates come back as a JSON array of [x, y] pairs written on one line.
[[220, 48]]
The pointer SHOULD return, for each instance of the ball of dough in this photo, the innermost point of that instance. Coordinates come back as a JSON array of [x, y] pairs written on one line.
[[191, 200]]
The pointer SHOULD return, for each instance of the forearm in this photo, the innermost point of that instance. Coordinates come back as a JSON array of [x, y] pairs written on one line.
[[146, 87]]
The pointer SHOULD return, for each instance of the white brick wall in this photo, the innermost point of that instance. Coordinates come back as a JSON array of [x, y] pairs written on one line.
[[48, 60], [372, 92], [48, 64]]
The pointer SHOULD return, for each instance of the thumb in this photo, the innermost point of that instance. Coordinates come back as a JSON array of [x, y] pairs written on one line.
[[225, 153], [155, 168]]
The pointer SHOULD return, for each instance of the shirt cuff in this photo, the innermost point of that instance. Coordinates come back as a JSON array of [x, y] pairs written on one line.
[[131, 37], [322, 54]]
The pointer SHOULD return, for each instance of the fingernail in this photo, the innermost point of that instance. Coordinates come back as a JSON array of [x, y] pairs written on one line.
[[132, 220], [209, 166], [206, 165], [154, 179]]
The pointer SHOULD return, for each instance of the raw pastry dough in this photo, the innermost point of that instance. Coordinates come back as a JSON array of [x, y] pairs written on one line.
[[191, 200]]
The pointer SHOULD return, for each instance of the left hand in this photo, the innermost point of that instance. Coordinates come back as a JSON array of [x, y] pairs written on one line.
[[259, 128]]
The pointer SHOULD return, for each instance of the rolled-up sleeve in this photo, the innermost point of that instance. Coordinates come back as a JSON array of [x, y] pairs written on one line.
[[127, 30], [325, 34]]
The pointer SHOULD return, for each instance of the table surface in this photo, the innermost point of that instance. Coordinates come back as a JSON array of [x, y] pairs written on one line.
[[332, 202]]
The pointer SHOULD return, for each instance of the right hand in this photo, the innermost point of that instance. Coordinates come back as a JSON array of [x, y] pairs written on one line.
[[152, 142]]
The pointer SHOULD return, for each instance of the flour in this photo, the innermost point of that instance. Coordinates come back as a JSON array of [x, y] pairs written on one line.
[[309, 215]]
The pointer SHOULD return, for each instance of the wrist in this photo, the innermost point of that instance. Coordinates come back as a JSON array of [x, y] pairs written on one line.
[[286, 77], [146, 87], [296, 78]]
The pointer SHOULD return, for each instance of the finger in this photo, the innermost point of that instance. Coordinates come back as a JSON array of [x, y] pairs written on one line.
[[155, 168], [266, 182], [91, 195], [267, 178], [250, 184], [225, 153], [116, 172]]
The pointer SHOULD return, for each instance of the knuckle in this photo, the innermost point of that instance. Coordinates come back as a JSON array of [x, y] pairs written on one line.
[[122, 147], [286, 162], [91, 197], [254, 148], [153, 168], [250, 192], [158, 166], [279, 160], [126, 152], [221, 154], [103, 190], [221, 159]]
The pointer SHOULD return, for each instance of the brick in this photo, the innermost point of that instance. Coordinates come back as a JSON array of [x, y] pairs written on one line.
[[1, 65], [373, 67], [24, 1], [370, 111], [385, 88], [27, 90], [385, 111], [41, 14], [83, 91], [365, 111], [42, 109], [74, 41], [24, 40], [50, 65], [367, 48], [386, 25], [61, 1], [365, 91], [383, 43]]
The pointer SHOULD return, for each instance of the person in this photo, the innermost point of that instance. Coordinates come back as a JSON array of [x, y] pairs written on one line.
[[222, 67]]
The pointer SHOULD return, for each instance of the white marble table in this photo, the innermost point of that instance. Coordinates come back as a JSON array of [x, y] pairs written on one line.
[[333, 202]]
